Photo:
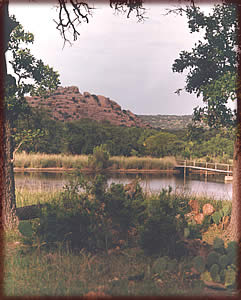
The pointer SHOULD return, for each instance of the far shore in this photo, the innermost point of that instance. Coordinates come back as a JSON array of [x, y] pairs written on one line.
[[109, 170]]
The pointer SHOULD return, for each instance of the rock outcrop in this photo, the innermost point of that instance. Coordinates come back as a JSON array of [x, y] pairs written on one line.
[[68, 104]]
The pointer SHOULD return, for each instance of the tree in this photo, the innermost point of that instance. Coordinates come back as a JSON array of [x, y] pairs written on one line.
[[43, 79], [68, 18], [212, 74], [163, 144]]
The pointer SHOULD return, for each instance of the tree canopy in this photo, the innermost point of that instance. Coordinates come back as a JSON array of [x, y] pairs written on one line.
[[212, 64]]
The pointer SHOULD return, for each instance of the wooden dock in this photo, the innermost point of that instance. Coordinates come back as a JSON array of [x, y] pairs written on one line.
[[205, 168]]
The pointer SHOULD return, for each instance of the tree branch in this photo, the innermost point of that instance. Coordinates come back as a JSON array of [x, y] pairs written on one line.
[[70, 17], [123, 6]]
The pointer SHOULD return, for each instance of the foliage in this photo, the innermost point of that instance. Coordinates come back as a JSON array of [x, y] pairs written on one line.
[[219, 267], [163, 144], [162, 230], [212, 63], [30, 74], [89, 215], [100, 158], [81, 137]]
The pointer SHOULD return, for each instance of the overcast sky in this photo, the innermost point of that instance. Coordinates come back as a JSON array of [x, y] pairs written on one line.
[[127, 61]]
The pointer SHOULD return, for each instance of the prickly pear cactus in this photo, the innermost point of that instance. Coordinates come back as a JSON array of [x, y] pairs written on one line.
[[199, 264], [206, 276], [230, 277], [214, 271], [212, 258], [223, 261]]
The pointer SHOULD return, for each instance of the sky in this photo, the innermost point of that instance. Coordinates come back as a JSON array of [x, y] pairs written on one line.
[[122, 59]]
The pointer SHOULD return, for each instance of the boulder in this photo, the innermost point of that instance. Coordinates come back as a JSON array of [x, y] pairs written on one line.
[[194, 205], [208, 209], [199, 218]]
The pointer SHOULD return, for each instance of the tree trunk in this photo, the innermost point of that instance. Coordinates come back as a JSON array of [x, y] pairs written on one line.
[[7, 177], [9, 203], [2, 127], [234, 226]]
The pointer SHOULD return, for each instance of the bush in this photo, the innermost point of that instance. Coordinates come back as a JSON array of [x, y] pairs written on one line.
[[100, 158], [162, 230], [89, 215]]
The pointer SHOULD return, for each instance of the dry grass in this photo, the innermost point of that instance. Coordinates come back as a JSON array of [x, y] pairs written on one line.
[[146, 163], [41, 160]]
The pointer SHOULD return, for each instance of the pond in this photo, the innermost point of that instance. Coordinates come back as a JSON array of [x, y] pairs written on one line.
[[193, 184]]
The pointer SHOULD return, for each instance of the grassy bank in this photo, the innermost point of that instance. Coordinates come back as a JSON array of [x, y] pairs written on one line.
[[110, 226], [62, 273], [40, 160]]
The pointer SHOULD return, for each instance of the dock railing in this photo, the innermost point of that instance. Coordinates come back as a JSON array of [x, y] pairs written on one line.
[[205, 165]]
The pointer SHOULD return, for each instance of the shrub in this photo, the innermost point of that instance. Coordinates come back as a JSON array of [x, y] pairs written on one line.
[[223, 261], [100, 158], [162, 230], [89, 215]]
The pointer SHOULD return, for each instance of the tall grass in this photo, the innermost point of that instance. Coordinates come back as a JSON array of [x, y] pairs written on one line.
[[41, 160], [146, 163], [59, 273], [26, 197]]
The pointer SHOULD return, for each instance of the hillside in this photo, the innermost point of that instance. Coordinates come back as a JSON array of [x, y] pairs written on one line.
[[68, 104], [171, 122]]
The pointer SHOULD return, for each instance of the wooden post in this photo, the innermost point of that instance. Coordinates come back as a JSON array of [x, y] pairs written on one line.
[[206, 175]]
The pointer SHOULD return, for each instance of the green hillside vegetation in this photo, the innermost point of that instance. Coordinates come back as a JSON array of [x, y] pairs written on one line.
[[171, 122], [82, 136]]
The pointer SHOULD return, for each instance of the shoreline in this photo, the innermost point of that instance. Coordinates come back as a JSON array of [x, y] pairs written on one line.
[[85, 170]]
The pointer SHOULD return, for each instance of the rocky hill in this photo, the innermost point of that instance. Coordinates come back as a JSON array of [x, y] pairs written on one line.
[[68, 104], [171, 122]]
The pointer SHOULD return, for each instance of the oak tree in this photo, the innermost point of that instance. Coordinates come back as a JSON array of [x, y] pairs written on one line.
[[212, 67]]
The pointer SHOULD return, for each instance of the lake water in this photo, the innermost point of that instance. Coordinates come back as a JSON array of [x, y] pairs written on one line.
[[194, 184]]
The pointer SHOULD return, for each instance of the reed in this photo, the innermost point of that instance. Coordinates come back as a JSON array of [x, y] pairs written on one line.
[[42, 160], [142, 163]]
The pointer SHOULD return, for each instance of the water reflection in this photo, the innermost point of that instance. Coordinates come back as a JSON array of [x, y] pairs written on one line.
[[194, 184]]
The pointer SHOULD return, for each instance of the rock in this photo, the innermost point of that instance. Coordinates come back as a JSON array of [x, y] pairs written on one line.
[[208, 209], [199, 218], [68, 104], [194, 205]]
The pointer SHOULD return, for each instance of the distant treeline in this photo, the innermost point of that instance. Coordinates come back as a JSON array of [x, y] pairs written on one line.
[[80, 137]]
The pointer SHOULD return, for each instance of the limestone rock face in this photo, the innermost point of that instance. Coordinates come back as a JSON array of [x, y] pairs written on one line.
[[68, 104]]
